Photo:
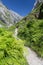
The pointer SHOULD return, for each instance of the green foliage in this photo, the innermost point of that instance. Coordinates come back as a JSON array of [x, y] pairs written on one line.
[[11, 49], [37, 8], [11, 28], [32, 32], [30, 28], [2, 23]]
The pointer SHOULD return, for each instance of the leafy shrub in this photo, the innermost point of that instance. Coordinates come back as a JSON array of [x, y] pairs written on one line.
[[32, 32], [11, 49]]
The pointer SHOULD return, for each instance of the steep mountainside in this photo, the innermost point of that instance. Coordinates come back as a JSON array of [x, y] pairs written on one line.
[[37, 3], [37, 14], [31, 29], [8, 17]]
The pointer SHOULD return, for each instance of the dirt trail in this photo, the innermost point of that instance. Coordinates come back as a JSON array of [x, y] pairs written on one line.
[[32, 58]]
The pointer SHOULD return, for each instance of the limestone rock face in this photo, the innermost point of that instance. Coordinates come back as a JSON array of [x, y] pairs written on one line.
[[37, 3], [38, 8], [8, 17]]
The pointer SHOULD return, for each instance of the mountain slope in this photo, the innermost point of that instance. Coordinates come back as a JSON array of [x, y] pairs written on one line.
[[31, 29], [8, 17], [37, 3]]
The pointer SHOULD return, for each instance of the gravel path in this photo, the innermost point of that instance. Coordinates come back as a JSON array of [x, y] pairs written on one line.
[[32, 58]]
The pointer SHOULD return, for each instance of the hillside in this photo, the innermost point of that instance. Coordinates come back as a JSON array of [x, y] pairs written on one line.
[[21, 40], [30, 28], [11, 49]]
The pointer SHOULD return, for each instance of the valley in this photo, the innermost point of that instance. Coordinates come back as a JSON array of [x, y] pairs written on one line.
[[21, 38]]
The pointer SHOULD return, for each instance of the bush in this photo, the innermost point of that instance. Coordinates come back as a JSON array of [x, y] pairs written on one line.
[[11, 49], [32, 32]]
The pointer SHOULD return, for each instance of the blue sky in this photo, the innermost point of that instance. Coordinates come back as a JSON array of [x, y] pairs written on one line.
[[22, 7]]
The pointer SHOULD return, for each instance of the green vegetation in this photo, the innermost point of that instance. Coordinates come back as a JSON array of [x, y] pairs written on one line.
[[11, 49], [37, 8], [11, 28], [30, 29], [32, 32], [2, 23]]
